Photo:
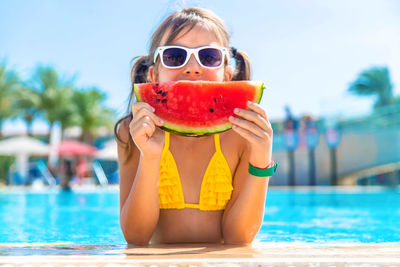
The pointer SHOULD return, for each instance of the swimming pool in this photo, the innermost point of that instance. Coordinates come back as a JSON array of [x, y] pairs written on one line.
[[320, 215]]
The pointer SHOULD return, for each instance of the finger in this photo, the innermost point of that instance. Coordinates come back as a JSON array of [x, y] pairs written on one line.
[[139, 105], [260, 110], [144, 112], [148, 122], [257, 108], [140, 123], [253, 117], [249, 126], [144, 126], [142, 134], [148, 129], [249, 136]]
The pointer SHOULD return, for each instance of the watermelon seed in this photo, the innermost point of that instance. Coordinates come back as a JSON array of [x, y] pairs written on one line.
[[164, 101], [159, 92], [211, 110], [164, 94], [215, 100], [158, 100], [156, 84]]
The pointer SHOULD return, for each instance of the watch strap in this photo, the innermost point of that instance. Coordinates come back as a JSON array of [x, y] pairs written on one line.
[[263, 172]]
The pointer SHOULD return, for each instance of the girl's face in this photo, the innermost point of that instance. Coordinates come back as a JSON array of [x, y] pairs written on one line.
[[196, 37]]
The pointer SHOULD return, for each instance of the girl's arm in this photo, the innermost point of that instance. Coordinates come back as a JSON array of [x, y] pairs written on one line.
[[139, 207], [244, 213]]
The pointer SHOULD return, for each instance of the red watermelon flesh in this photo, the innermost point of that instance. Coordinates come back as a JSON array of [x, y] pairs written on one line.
[[196, 108]]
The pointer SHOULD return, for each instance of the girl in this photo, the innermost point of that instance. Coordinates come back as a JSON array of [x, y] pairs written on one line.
[[190, 189]]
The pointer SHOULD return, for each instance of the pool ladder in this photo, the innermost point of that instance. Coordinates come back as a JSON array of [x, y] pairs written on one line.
[[99, 173]]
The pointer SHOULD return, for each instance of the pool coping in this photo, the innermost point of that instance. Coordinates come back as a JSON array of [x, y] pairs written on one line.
[[256, 254]]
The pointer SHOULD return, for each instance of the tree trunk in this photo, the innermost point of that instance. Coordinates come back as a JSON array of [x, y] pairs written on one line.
[[62, 133], [29, 125], [51, 127], [87, 137]]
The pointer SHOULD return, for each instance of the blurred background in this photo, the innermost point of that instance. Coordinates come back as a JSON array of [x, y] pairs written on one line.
[[332, 71]]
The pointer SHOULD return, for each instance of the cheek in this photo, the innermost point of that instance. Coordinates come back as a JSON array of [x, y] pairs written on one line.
[[162, 74], [167, 75], [216, 75]]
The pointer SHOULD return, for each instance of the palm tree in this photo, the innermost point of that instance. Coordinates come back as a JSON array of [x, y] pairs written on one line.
[[66, 112], [28, 104], [55, 97], [374, 82], [9, 81], [92, 114]]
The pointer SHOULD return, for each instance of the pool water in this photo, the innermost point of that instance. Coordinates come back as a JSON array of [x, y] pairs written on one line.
[[319, 215], [334, 216]]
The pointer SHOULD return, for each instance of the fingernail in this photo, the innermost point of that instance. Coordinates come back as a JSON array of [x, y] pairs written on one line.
[[236, 110], [249, 102]]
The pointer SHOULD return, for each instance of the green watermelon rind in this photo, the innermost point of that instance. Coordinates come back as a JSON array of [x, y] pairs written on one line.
[[197, 132], [135, 89], [261, 91]]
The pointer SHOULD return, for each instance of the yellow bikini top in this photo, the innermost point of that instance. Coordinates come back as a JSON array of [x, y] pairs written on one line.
[[216, 187]]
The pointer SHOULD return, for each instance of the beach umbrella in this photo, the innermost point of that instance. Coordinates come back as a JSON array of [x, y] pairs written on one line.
[[22, 147], [73, 148], [109, 152]]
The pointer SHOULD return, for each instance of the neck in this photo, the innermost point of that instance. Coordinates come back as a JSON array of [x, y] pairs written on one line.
[[189, 139]]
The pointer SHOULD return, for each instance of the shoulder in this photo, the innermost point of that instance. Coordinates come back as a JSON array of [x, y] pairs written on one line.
[[233, 141]]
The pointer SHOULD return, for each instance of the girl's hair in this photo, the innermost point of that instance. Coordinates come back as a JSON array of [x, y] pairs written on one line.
[[185, 19]]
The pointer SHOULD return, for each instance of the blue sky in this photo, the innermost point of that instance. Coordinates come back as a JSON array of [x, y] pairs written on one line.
[[306, 51]]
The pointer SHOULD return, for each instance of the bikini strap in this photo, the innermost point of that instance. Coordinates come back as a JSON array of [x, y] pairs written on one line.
[[166, 140], [217, 143]]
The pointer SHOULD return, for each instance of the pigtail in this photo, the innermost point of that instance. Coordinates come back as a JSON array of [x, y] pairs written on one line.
[[140, 70], [139, 74], [243, 69]]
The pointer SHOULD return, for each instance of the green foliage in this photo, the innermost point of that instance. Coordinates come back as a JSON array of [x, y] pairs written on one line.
[[92, 114], [374, 82], [53, 98], [5, 164], [27, 104], [9, 82]]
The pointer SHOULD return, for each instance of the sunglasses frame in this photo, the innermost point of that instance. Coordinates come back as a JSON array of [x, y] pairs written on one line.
[[190, 51]]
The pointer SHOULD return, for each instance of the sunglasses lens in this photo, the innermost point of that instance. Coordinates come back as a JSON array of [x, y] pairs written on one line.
[[210, 57], [174, 57]]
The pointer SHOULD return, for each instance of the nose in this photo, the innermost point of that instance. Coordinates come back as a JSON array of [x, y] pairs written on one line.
[[192, 67]]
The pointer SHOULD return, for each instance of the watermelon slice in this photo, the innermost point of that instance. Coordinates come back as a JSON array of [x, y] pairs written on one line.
[[197, 108]]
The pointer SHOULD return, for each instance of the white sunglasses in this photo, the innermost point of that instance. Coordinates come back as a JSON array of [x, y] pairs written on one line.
[[173, 56]]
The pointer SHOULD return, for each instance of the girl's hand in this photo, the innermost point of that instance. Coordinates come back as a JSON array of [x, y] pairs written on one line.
[[147, 137], [253, 125]]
